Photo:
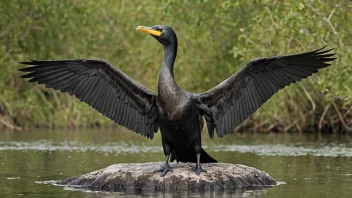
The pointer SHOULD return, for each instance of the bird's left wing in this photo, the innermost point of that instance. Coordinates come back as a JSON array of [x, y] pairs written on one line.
[[102, 86], [239, 96]]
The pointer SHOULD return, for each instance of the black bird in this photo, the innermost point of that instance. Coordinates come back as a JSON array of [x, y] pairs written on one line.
[[178, 114]]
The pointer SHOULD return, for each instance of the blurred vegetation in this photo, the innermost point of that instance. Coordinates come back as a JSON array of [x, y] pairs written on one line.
[[216, 38]]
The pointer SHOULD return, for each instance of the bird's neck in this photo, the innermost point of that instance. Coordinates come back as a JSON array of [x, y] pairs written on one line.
[[170, 52], [167, 83]]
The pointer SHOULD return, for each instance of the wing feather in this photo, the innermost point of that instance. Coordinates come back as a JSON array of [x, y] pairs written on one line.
[[102, 86], [239, 96]]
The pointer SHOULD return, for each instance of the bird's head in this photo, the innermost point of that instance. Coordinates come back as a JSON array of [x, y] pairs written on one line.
[[164, 34]]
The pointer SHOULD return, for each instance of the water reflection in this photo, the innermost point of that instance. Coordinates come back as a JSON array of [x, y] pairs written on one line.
[[207, 193]]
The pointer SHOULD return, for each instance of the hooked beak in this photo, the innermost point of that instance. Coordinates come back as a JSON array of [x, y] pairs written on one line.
[[148, 30]]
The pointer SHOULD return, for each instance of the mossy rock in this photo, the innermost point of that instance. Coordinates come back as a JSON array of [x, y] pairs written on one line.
[[140, 178]]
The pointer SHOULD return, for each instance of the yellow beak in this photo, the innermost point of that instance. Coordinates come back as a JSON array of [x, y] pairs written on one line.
[[148, 30]]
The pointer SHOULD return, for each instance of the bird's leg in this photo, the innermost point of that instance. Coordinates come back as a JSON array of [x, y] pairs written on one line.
[[198, 169], [166, 168], [173, 157]]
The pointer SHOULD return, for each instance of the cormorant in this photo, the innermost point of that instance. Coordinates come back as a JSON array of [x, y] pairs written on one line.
[[178, 114]]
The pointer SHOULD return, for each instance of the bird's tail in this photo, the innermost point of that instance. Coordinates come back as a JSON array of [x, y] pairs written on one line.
[[190, 156], [206, 158]]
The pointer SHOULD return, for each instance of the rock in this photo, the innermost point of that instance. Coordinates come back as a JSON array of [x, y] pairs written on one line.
[[139, 178]]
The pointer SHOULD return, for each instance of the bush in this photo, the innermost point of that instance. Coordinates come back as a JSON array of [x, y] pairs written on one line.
[[216, 38]]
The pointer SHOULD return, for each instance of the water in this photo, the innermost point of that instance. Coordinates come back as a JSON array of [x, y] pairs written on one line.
[[310, 165]]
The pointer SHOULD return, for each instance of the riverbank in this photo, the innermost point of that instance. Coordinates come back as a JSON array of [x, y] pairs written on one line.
[[328, 119]]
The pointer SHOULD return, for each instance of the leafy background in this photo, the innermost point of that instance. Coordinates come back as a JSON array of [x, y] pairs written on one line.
[[216, 38]]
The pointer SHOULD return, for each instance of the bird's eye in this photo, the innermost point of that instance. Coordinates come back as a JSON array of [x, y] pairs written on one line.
[[161, 30]]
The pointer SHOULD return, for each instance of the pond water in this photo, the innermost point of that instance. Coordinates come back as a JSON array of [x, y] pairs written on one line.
[[310, 165]]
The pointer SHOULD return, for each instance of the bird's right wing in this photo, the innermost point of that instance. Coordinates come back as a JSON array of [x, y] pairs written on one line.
[[102, 86], [239, 96]]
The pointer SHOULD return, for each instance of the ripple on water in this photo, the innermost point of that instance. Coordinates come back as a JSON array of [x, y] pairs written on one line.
[[288, 150], [47, 145], [11, 178], [122, 148]]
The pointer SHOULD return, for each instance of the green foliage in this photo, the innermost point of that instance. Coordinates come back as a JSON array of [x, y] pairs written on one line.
[[216, 38]]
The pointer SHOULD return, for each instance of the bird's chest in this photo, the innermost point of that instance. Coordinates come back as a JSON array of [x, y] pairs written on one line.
[[175, 112], [171, 102], [171, 108]]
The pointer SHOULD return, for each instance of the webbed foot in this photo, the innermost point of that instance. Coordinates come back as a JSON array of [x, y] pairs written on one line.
[[164, 169], [198, 170]]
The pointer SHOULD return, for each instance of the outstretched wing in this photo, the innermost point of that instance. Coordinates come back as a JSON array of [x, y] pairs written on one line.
[[102, 86], [239, 96]]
